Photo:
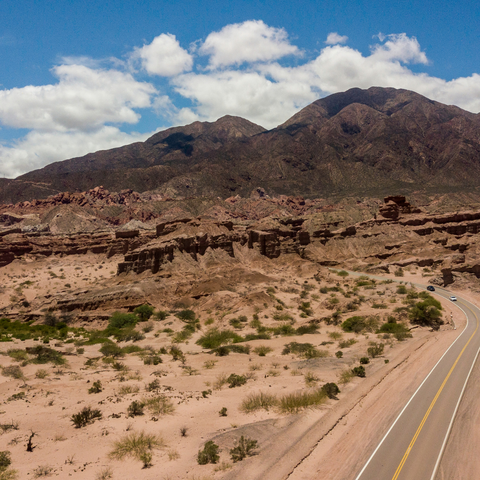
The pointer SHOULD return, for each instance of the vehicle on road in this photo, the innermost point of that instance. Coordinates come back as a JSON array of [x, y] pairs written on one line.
[[431, 288], [453, 298]]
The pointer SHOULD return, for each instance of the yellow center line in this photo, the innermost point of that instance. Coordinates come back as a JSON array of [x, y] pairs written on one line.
[[417, 433]]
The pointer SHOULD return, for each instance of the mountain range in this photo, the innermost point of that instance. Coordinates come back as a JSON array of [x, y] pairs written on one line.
[[360, 142]]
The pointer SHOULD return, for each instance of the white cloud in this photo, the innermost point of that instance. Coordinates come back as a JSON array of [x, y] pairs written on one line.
[[250, 41], [164, 56], [38, 149], [247, 76], [399, 47], [83, 99], [333, 38]]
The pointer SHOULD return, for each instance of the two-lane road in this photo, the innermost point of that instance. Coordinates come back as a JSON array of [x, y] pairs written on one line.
[[412, 447]]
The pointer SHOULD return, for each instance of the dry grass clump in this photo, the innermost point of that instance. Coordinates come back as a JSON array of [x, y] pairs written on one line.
[[160, 405], [345, 377], [297, 401], [41, 373], [104, 474], [127, 389], [221, 380], [258, 401], [310, 379], [42, 471], [138, 445]]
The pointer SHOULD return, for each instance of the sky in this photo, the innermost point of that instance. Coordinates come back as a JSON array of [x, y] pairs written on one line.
[[78, 77]]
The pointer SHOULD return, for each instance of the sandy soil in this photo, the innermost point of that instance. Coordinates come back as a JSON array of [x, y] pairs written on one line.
[[327, 439]]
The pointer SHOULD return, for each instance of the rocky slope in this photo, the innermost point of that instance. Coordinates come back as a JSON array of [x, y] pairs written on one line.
[[360, 142]]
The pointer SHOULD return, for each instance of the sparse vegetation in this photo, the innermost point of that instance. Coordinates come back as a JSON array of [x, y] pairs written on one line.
[[137, 445], [297, 401], [245, 447], [209, 454], [86, 416]]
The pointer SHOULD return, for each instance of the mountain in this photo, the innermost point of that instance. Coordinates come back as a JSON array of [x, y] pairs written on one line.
[[360, 142]]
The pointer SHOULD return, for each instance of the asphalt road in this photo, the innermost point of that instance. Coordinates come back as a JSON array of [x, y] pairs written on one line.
[[413, 446]]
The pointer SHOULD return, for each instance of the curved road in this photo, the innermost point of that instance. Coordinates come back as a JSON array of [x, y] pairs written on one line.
[[413, 446]]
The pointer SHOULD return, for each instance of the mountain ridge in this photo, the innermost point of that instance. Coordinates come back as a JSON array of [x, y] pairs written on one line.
[[369, 142]]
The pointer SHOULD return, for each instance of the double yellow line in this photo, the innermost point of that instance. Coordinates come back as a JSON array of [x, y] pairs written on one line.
[[422, 423]]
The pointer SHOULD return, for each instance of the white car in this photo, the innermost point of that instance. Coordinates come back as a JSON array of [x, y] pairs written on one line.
[[453, 298]]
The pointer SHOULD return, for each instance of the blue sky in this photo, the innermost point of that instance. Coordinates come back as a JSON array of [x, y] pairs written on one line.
[[82, 76]]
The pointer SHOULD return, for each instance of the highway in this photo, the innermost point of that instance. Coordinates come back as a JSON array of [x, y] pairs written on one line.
[[413, 446]]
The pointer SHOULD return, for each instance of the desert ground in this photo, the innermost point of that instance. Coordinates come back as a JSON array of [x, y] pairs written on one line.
[[187, 399]]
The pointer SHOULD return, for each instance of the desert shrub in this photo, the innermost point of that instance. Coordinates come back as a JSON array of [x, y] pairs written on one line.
[[209, 454], [148, 327], [257, 336], [402, 290], [18, 354], [244, 448], [221, 380], [335, 335], [136, 445], [5, 460], [359, 324], [111, 350], [135, 409], [176, 353], [50, 319], [41, 373], [379, 305], [122, 320], [307, 329], [364, 361], [85, 416], [305, 307], [105, 473], [239, 349], [347, 343], [153, 386], [297, 401], [222, 351], [391, 327], [127, 389], [152, 360], [46, 355], [160, 405], [427, 313], [284, 330], [262, 350], [42, 471], [306, 350], [339, 354], [215, 338], [96, 387], [398, 272], [235, 380], [342, 273], [258, 401], [282, 317], [144, 312], [331, 390], [223, 412], [359, 371], [186, 315], [375, 350], [310, 379], [13, 371], [160, 315], [400, 336]]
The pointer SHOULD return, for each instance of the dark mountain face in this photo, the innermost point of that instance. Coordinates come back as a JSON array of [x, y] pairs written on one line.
[[360, 142]]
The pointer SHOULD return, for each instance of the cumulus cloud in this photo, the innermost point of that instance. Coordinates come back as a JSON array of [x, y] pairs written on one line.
[[247, 75], [250, 41], [83, 99], [333, 38], [38, 149], [164, 56]]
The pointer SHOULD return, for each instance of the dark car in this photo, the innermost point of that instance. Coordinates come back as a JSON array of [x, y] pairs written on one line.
[[431, 288]]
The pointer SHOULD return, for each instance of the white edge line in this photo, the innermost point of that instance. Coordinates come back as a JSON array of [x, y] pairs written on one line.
[[444, 444], [412, 397]]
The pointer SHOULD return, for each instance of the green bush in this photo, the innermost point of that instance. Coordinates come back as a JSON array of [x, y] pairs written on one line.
[[223, 412], [331, 390], [111, 350], [85, 416], [46, 355], [359, 371], [186, 315], [244, 448], [427, 313], [359, 324], [364, 361], [235, 380], [160, 315], [135, 408], [339, 354], [144, 312], [375, 350], [96, 387], [214, 338], [209, 454], [121, 320], [5, 460], [402, 290]]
